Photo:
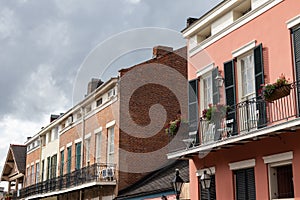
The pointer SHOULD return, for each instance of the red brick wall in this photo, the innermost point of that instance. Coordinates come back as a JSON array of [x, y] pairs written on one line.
[[141, 101], [32, 157]]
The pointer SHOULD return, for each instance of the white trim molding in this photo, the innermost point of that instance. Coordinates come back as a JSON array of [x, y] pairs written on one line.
[[230, 28], [293, 22], [110, 124], [245, 48], [78, 140], [98, 130], [211, 170], [62, 148], [87, 136], [278, 157], [242, 164], [69, 144], [206, 69], [37, 161]]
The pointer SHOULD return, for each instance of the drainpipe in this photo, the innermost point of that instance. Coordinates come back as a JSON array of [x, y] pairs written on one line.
[[82, 144]]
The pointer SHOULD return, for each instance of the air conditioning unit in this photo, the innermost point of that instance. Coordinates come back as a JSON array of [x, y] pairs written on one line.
[[107, 173]]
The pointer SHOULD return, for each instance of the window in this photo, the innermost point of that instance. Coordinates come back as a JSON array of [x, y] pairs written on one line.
[[207, 90], [247, 76], [111, 93], [54, 133], [88, 109], [62, 162], [98, 146], [77, 155], [99, 102], [32, 174], [111, 145], [37, 173], [53, 166], [88, 149], [28, 176], [69, 161], [244, 182], [281, 178], [280, 175], [48, 167], [43, 169]]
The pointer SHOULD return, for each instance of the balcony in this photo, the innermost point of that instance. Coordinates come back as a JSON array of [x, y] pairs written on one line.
[[96, 174], [246, 121]]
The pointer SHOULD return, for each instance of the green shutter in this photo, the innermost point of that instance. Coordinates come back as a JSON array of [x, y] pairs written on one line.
[[62, 162], [229, 76], [259, 81], [193, 105], [296, 45], [215, 88], [78, 155], [69, 160]]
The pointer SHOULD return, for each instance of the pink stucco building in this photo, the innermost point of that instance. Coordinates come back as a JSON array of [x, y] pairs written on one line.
[[250, 148]]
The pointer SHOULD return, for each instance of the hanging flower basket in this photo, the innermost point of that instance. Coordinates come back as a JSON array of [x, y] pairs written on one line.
[[277, 90], [279, 93]]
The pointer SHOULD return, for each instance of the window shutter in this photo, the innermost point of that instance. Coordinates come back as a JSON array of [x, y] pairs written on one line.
[[215, 88], [78, 155], [193, 105], [245, 184], [250, 184], [296, 44], [69, 160], [240, 185], [259, 80], [230, 92]]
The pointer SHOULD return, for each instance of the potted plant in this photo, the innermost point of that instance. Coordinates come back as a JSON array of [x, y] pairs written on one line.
[[277, 90], [173, 126], [218, 110]]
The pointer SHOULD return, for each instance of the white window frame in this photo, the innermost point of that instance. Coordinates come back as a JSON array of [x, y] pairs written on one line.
[[242, 164], [273, 161], [110, 144], [98, 144], [88, 149]]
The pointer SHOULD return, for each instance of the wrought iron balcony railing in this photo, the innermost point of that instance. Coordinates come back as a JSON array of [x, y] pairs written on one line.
[[246, 116], [93, 173]]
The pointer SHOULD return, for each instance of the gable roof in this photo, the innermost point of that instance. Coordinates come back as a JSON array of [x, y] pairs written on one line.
[[157, 181], [17, 155]]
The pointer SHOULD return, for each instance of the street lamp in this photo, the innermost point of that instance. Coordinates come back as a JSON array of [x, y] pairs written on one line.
[[219, 80], [205, 180], [177, 183]]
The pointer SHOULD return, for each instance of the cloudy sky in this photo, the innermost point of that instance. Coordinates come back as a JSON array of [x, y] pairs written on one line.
[[44, 43]]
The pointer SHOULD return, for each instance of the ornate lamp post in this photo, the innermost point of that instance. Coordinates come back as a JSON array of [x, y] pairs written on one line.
[[205, 180], [177, 183]]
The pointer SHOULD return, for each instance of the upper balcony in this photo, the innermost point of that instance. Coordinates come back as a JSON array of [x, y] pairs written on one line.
[[96, 174], [244, 122]]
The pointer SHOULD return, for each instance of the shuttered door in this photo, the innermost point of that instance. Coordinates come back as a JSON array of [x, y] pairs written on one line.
[[69, 160], [245, 184], [259, 80], [208, 194], [296, 44], [78, 155], [193, 105], [230, 92]]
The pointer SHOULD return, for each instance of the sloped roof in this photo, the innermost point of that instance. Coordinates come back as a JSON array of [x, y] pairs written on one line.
[[157, 181], [17, 155]]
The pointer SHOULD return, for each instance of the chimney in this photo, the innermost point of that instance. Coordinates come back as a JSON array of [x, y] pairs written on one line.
[[28, 138], [190, 20], [159, 51], [53, 117], [93, 85]]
